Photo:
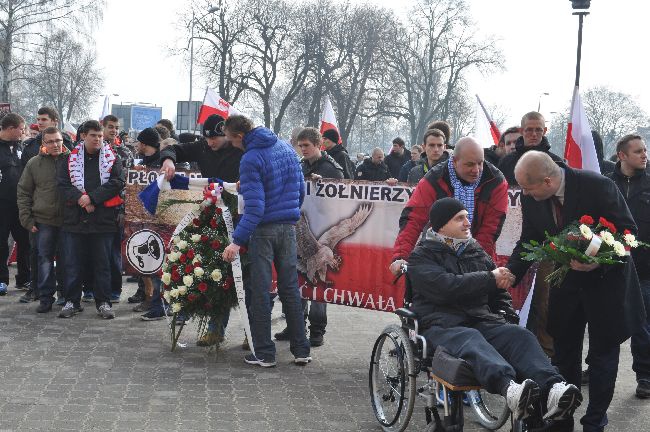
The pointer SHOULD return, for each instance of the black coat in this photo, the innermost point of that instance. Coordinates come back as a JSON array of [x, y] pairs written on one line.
[[371, 171], [325, 167], [422, 167], [492, 156], [610, 295], [103, 219], [508, 162], [340, 155], [10, 171], [223, 163], [455, 290], [395, 162], [32, 146], [636, 191]]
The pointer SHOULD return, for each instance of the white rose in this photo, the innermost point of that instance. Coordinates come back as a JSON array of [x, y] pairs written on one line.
[[196, 238], [166, 296], [182, 290], [172, 257], [182, 245], [619, 248], [176, 239], [198, 271], [188, 280], [586, 232], [216, 275], [165, 267], [607, 237], [166, 278], [629, 239], [634, 244], [173, 293], [197, 258], [176, 307]]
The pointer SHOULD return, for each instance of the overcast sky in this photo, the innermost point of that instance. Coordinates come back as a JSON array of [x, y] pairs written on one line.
[[537, 38]]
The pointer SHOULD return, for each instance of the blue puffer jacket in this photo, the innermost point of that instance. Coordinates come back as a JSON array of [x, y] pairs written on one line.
[[271, 183]]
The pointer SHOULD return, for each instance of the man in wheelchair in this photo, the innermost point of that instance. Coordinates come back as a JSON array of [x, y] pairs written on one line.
[[463, 305]]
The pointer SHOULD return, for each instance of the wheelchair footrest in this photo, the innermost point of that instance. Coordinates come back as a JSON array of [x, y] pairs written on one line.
[[452, 372]]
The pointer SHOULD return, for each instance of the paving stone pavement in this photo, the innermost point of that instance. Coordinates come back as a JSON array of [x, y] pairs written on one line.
[[89, 374]]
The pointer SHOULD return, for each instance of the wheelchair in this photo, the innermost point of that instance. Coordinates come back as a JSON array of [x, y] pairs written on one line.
[[399, 355]]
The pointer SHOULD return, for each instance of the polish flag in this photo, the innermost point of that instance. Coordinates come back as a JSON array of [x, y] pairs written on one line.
[[328, 119], [215, 104], [70, 130], [486, 131], [580, 151], [106, 109]]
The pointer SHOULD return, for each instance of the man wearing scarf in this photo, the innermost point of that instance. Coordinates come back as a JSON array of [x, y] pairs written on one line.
[[466, 176], [90, 181]]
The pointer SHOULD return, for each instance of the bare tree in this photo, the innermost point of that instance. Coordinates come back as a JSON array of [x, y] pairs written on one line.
[[434, 49], [64, 74], [20, 21]]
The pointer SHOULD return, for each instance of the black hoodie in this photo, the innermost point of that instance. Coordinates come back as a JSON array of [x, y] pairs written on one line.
[[10, 171], [508, 163]]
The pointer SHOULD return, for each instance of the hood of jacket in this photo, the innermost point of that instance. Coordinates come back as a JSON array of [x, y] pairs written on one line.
[[259, 138], [543, 146]]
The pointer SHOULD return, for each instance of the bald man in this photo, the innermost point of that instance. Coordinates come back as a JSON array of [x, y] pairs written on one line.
[[466, 176], [607, 298], [373, 168]]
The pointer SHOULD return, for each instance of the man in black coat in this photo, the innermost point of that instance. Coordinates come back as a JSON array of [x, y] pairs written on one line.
[[338, 152], [373, 168], [47, 117], [397, 157], [606, 298], [632, 178], [533, 129], [463, 305], [216, 157]]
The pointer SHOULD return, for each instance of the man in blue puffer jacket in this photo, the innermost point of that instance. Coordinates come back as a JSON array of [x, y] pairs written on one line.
[[273, 188]]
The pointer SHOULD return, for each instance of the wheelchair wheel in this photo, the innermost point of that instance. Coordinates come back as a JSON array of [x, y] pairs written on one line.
[[392, 379], [491, 410]]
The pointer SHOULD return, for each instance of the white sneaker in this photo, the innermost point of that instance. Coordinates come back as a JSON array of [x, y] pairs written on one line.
[[563, 399], [302, 361], [105, 311], [521, 397]]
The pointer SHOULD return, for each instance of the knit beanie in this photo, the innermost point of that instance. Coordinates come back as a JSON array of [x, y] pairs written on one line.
[[443, 210], [150, 137], [332, 135], [213, 126]]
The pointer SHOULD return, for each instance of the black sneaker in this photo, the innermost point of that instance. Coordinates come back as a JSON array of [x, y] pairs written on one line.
[[283, 335], [316, 340], [252, 360], [44, 308], [78, 308], [302, 361], [25, 286], [28, 297], [105, 311], [153, 316], [643, 389], [138, 297], [68, 310]]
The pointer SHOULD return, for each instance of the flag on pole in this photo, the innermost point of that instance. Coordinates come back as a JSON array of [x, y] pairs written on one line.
[[215, 104], [486, 131], [328, 119], [70, 130], [106, 109], [580, 150]]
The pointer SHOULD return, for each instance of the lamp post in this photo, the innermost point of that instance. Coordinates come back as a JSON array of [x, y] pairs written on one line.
[[213, 9], [581, 6]]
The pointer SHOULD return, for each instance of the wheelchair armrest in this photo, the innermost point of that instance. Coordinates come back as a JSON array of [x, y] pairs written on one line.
[[406, 313]]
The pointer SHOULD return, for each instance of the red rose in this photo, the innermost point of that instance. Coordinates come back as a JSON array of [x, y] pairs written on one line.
[[175, 276], [203, 287], [218, 210], [204, 238], [216, 244], [189, 268], [190, 254], [191, 297], [197, 264], [182, 258], [587, 220], [228, 283], [626, 232], [207, 306], [213, 223], [552, 245], [196, 222], [243, 250], [612, 228]]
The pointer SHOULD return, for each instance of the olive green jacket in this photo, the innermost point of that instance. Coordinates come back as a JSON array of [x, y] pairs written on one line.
[[39, 199]]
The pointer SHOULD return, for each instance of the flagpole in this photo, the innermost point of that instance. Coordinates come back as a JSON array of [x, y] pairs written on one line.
[[581, 16], [196, 120]]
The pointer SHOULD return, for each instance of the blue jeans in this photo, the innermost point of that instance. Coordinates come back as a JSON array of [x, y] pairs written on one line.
[[640, 342], [116, 262], [157, 305], [275, 244], [47, 243], [81, 250], [317, 314]]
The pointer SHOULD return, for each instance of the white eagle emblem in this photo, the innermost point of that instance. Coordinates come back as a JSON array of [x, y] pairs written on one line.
[[314, 256]]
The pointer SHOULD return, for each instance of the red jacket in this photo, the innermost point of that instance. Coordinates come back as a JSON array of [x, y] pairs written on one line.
[[490, 205]]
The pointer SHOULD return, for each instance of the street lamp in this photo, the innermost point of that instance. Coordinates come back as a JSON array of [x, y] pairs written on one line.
[[539, 101], [582, 6], [213, 9]]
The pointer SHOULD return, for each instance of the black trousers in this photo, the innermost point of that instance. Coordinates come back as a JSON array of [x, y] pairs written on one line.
[[497, 353], [9, 223], [602, 360]]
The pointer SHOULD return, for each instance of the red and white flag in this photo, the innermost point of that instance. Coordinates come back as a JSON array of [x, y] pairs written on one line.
[[486, 131], [328, 119], [215, 104], [580, 151], [70, 130]]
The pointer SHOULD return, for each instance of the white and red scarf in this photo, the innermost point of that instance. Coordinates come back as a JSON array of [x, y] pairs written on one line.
[[76, 161]]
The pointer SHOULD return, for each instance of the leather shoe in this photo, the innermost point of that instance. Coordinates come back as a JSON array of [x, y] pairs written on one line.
[[44, 307]]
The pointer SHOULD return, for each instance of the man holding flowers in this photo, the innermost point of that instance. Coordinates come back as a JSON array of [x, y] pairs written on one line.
[[607, 297]]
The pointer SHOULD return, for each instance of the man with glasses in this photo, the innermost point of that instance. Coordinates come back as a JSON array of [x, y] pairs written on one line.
[[40, 208], [533, 130]]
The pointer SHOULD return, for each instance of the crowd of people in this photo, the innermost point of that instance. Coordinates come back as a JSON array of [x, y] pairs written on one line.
[[63, 204]]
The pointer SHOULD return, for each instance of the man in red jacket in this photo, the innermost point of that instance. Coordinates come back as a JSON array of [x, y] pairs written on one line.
[[479, 185]]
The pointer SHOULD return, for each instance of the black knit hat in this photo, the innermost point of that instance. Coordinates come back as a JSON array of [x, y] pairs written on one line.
[[443, 210], [213, 126], [150, 137], [332, 135]]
